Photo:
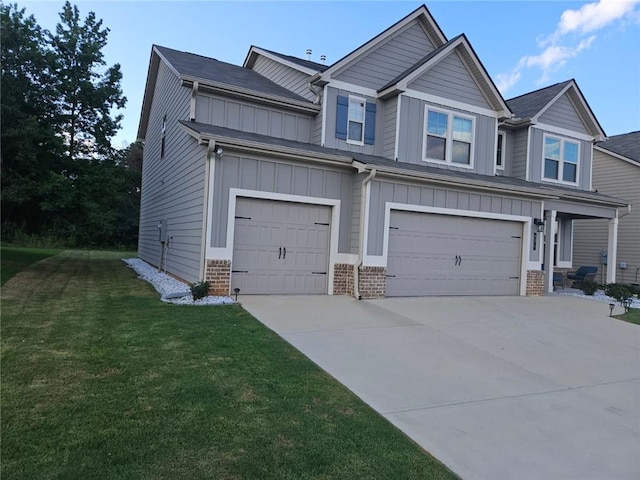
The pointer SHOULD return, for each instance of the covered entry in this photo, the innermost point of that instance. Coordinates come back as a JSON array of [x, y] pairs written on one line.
[[280, 247], [433, 254]]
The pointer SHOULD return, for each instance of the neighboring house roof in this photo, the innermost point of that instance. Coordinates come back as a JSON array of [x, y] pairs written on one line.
[[198, 67], [434, 32], [627, 145], [472, 63], [530, 106], [203, 131], [306, 66]]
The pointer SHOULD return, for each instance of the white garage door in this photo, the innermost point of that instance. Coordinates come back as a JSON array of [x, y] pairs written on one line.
[[432, 254], [280, 247]]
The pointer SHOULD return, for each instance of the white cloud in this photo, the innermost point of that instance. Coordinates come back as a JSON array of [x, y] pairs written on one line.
[[561, 45]]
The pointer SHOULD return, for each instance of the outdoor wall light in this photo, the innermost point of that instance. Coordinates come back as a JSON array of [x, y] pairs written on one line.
[[539, 223], [219, 151]]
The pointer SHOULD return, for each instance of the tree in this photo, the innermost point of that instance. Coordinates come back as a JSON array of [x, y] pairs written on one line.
[[85, 95], [30, 146]]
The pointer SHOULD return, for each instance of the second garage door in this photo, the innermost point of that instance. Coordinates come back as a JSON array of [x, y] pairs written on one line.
[[280, 247], [433, 254]]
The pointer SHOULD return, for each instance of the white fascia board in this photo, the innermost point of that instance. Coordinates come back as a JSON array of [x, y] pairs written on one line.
[[616, 155], [446, 102], [350, 87], [380, 38], [276, 58], [563, 131]]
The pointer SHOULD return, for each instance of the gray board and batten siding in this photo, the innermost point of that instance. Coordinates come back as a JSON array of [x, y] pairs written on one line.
[[450, 79], [383, 191], [252, 118], [563, 114], [289, 78], [411, 138], [536, 160], [173, 186], [388, 60], [518, 139], [279, 176]]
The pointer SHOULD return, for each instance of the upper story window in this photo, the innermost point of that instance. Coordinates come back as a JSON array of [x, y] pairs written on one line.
[[500, 151], [448, 138], [561, 160], [355, 120]]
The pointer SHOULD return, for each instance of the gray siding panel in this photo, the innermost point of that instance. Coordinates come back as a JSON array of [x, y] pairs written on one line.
[[612, 176], [230, 113], [388, 60], [383, 191], [389, 128], [563, 114], [412, 125], [451, 79], [285, 76], [277, 176], [519, 153], [172, 187]]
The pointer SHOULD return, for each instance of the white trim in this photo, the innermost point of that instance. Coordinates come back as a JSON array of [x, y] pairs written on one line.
[[563, 131], [226, 253], [563, 264], [381, 260], [561, 162], [448, 103], [280, 60], [207, 212], [590, 168], [551, 102], [350, 87], [397, 144], [365, 230], [527, 162], [323, 135], [504, 145], [615, 155], [448, 137], [348, 258], [363, 101]]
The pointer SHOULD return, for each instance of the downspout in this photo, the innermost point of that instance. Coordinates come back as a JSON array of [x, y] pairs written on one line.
[[205, 209], [363, 219], [620, 215], [315, 92]]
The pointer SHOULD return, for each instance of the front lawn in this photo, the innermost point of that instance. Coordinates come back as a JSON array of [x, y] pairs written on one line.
[[101, 380], [632, 316], [16, 259]]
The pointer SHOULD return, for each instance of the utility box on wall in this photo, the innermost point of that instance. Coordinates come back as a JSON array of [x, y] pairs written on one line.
[[603, 257], [162, 231]]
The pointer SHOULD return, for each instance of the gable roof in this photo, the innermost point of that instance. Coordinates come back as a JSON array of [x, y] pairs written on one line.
[[305, 66], [422, 14], [469, 59], [530, 106], [626, 145]]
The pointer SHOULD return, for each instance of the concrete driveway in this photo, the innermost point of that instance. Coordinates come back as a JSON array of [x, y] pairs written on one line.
[[495, 387]]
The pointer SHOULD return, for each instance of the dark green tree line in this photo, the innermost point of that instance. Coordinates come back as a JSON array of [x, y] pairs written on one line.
[[60, 175]]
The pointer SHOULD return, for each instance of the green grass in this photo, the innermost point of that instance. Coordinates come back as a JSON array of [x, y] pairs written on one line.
[[100, 380], [16, 259], [632, 316]]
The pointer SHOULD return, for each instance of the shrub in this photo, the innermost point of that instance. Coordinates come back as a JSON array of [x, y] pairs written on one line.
[[200, 290], [589, 287], [621, 293]]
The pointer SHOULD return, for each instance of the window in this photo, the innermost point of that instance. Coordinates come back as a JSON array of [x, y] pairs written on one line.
[[355, 120], [500, 151], [448, 138], [355, 130], [560, 160]]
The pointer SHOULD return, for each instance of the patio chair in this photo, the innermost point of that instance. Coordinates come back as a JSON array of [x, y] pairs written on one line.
[[558, 279], [583, 274]]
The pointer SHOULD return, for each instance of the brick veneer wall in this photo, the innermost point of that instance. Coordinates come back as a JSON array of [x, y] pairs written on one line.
[[218, 274], [535, 283], [343, 279], [372, 282]]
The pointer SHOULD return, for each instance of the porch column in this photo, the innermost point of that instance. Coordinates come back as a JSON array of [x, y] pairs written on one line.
[[612, 250], [549, 240]]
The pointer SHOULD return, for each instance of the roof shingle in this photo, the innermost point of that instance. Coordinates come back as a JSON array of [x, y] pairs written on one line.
[[529, 104], [627, 145]]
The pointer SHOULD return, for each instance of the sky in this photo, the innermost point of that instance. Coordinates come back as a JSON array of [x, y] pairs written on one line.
[[523, 45]]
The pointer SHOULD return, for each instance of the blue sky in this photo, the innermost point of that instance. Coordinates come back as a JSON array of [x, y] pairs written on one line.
[[523, 45]]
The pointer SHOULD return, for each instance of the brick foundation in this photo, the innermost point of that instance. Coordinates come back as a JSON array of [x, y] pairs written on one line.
[[372, 282], [343, 279], [218, 274], [535, 283]]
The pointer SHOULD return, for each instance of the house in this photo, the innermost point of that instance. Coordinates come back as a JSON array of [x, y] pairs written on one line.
[[616, 171], [398, 170]]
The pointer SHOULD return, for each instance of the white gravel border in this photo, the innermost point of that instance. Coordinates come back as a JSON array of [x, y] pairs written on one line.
[[166, 285], [599, 296]]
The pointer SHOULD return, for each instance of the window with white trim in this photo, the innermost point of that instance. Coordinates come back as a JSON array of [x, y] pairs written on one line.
[[500, 151], [448, 138], [355, 130], [560, 160]]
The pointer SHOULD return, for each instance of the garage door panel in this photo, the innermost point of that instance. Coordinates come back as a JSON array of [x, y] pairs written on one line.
[[431, 254], [263, 230]]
